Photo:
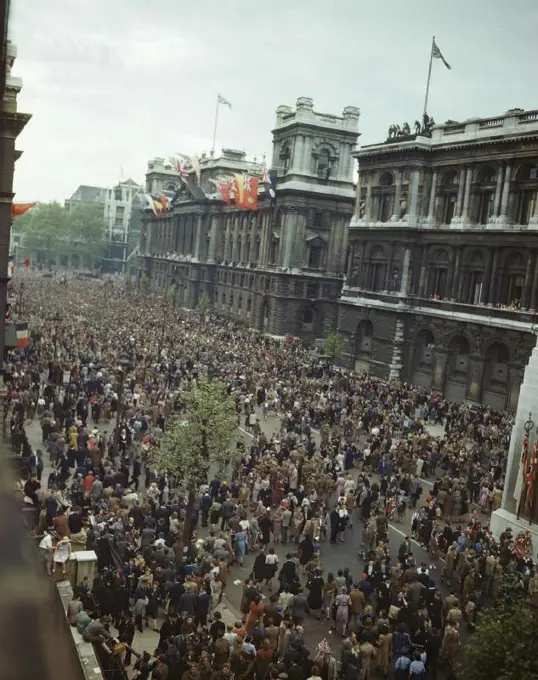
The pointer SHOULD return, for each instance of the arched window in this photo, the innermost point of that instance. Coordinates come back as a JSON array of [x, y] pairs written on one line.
[[458, 355], [323, 164], [525, 195], [497, 358], [386, 179], [513, 280], [436, 286], [377, 269], [308, 319]]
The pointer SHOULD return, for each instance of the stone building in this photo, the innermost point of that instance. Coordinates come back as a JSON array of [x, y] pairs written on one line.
[[279, 268], [442, 278]]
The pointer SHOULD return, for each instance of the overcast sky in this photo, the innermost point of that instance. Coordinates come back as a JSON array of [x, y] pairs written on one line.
[[112, 83]]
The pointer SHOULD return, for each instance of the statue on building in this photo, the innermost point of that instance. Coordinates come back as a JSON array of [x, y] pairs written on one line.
[[403, 206], [362, 207], [406, 130], [427, 124], [417, 127]]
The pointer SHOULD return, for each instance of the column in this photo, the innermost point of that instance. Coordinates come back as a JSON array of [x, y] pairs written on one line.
[[492, 280], [455, 279], [413, 197], [405, 271], [253, 235], [534, 291], [388, 273], [357, 213], [531, 262], [397, 197], [506, 192], [423, 272], [198, 236], [534, 217], [368, 204], [498, 192], [459, 200], [244, 236], [433, 191], [360, 264], [467, 195], [212, 239], [227, 238], [487, 278], [298, 153]]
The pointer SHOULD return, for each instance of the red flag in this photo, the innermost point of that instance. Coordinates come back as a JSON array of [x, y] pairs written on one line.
[[225, 188], [20, 208], [532, 477], [25, 263], [246, 191], [251, 193]]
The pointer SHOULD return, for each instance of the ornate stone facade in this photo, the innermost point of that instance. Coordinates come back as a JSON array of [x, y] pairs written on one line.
[[442, 277], [279, 269]]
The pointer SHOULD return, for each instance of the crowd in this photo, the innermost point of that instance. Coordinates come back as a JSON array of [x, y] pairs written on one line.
[[158, 568]]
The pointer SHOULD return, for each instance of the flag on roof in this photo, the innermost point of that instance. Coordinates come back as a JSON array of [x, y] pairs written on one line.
[[246, 191], [23, 337], [437, 54], [20, 208], [269, 182], [224, 187], [154, 204], [222, 100]]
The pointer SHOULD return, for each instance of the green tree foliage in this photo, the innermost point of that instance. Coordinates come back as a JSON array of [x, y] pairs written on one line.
[[87, 229], [197, 439], [333, 346], [50, 227], [204, 304], [199, 436], [504, 645], [45, 227], [143, 282]]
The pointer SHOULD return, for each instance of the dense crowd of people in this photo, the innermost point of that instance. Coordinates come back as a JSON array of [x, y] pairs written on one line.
[[104, 374]]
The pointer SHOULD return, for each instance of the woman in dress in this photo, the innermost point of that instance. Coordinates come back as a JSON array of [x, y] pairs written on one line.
[[62, 553], [384, 649], [342, 603], [240, 546], [315, 593]]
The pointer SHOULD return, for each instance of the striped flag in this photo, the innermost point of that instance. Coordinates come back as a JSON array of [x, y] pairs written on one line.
[[437, 54], [222, 100], [23, 337]]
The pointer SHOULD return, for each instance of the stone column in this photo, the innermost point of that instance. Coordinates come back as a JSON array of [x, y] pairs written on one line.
[[531, 264], [198, 236], [368, 204], [388, 272], [412, 216], [298, 153], [431, 204], [423, 272], [228, 238], [253, 237], [397, 197], [212, 239], [506, 192], [405, 271], [440, 361], [534, 291], [534, 217], [487, 278], [498, 193], [467, 195], [290, 215], [456, 276], [493, 278], [357, 212], [459, 200]]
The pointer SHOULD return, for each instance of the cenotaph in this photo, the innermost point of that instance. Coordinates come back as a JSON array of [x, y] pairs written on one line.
[[516, 511]]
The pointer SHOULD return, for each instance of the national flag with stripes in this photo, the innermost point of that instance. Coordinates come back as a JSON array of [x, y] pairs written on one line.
[[437, 54], [246, 191], [224, 186], [222, 100], [183, 166], [23, 337]]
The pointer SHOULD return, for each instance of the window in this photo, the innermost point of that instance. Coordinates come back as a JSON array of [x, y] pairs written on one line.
[[450, 205], [315, 255], [324, 164], [312, 291], [117, 193], [308, 320], [249, 305], [273, 251]]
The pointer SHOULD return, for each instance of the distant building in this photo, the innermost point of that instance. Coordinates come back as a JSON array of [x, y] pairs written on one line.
[[86, 194], [279, 268], [442, 278]]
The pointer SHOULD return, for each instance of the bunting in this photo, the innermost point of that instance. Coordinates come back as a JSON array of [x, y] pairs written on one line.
[[18, 209], [246, 191]]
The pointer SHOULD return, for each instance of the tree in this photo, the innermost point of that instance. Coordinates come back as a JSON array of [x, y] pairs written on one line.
[[171, 294], [44, 228], [333, 346], [143, 282], [504, 645], [204, 304], [197, 439], [87, 233]]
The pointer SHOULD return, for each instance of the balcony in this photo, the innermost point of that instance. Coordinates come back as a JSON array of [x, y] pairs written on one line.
[[492, 316]]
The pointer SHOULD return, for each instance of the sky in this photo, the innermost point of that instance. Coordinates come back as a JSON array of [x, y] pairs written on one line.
[[111, 84]]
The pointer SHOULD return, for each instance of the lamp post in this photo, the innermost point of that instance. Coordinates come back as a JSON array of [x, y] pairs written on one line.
[[125, 362]]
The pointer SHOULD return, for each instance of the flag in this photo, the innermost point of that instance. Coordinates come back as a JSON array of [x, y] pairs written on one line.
[[436, 54], [532, 477], [269, 183], [22, 337], [222, 100], [20, 208], [224, 186], [183, 166], [246, 191], [196, 167], [155, 205]]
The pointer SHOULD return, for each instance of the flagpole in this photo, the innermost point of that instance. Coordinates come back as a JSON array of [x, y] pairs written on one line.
[[429, 78], [215, 127]]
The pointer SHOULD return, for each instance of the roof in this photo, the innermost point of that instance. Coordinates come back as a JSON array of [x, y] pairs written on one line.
[[131, 182], [88, 194]]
